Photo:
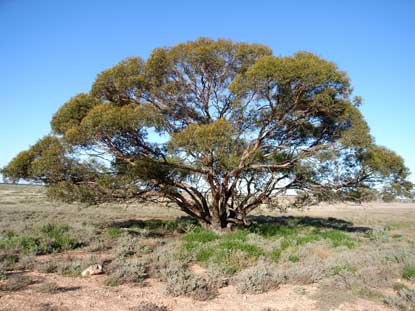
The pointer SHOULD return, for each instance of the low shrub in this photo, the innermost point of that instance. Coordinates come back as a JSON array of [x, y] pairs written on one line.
[[149, 306], [49, 239], [127, 246], [16, 282], [404, 299], [258, 279], [114, 232], [127, 271], [47, 267], [8, 258], [180, 281], [293, 258], [3, 273], [409, 272], [48, 288], [72, 267]]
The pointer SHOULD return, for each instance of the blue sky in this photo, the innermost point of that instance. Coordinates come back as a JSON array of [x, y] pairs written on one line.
[[52, 50]]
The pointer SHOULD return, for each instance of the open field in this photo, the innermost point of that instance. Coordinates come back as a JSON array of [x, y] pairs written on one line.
[[342, 257]]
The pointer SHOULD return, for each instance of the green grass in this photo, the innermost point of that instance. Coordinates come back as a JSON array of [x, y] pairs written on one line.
[[409, 272], [200, 235], [275, 254], [229, 250], [293, 258], [339, 238], [233, 250], [397, 225], [49, 239], [294, 234], [272, 231], [114, 232]]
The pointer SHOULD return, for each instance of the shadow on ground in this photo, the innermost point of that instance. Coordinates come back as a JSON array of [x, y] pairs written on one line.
[[290, 221], [156, 227], [68, 289], [318, 222]]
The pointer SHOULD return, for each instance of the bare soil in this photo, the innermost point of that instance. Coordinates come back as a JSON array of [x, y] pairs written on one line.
[[90, 293]]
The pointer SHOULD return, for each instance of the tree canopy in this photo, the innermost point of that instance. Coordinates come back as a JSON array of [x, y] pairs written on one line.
[[216, 127]]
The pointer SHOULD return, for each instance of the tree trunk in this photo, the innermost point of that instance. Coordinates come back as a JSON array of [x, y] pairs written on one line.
[[224, 223]]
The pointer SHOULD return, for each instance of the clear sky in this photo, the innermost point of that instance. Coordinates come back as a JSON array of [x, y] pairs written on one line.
[[52, 50]]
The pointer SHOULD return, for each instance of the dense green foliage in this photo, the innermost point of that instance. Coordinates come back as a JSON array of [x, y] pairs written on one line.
[[218, 128]]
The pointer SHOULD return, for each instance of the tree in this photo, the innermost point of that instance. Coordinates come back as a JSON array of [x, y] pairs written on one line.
[[217, 127]]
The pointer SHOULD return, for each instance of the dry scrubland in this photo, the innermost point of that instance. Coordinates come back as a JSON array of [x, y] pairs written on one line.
[[343, 257]]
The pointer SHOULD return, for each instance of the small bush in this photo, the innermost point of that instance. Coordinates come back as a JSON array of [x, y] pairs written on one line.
[[49, 239], [47, 306], [257, 279], [397, 255], [47, 267], [149, 306], [293, 258], [338, 269], [98, 245], [127, 271], [8, 259], [409, 272], [114, 232], [405, 299], [3, 274], [26, 263], [60, 237], [49, 288], [311, 270], [16, 282], [71, 268], [127, 246], [166, 256], [276, 254], [179, 281]]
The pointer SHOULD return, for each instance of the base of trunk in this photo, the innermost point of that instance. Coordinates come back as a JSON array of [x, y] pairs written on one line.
[[225, 226]]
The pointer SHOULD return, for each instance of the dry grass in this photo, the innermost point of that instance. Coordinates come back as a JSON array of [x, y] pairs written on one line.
[[352, 252]]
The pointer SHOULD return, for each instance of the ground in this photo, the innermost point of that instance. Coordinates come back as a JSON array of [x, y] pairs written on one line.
[[329, 257]]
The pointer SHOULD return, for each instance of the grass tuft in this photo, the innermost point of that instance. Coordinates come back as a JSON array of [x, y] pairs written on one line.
[[409, 272]]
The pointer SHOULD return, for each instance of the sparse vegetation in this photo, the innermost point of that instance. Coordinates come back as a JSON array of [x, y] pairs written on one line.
[[16, 282], [403, 300], [49, 288], [347, 261], [47, 239], [149, 306]]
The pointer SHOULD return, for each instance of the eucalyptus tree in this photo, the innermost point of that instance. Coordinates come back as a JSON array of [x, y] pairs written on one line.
[[216, 127]]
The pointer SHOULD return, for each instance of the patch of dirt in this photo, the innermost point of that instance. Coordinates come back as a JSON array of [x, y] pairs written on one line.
[[90, 294]]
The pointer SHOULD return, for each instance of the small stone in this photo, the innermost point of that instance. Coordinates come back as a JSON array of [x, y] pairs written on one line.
[[92, 270]]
